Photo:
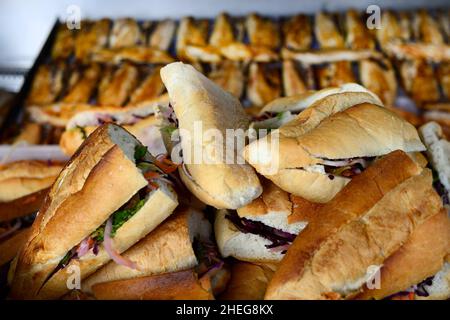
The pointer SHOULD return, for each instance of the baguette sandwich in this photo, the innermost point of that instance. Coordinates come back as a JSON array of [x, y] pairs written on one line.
[[334, 139], [248, 282], [263, 230], [181, 243], [139, 121], [199, 103], [351, 237], [109, 196], [418, 269], [23, 186], [438, 150]]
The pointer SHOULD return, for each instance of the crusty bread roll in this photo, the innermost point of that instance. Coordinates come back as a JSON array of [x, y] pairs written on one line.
[[12, 245], [182, 285], [334, 128], [248, 282], [22, 206], [20, 178], [196, 99], [72, 138], [167, 249], [422, 256], [99, 179], [274, 208], [351, 236], [298, 103], [438, 150]]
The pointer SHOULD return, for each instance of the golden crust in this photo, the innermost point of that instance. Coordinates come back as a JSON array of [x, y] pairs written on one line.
[[73, 201], [248, 282], [183, 285], [420, 257], [392, 197], [195, 98], [10, 247], [167, 249]]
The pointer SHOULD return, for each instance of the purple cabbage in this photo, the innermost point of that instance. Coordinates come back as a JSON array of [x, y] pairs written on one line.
[[276, 236]]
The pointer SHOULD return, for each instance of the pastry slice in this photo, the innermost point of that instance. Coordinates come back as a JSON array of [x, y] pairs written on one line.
[[426, 28], [297, 33], [64, 43], [126, 33], [419, 81], [335, 74], [116, 87], [149, 89], [47, 84], [82, 88], [358, 35], [264, 84], [293, 82], [93, 36], [262, 31], [379, 77], [326, 31], [228, 75], [162, 34]]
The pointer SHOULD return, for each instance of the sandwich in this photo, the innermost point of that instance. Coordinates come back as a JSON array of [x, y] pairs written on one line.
[[419, 81], [139, 121], [110, 195], [438, 151], [248, 281], [162, 34], [294, 82], [182, 243], [82, 83], [46, 85], [23, 186], [197, 101], [315, 154], [92, 37], [348, 239], [297, 33], [263, 230], [264, 84], [64, 43], [418, 270], [126, 32]]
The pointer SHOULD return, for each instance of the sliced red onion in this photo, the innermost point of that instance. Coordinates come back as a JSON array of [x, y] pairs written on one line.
[[84, 247], [113, 254], [11, 230], [280, 248], [186, 172], [346, 162]]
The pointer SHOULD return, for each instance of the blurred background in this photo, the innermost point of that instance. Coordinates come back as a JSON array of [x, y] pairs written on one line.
[[25, 24]]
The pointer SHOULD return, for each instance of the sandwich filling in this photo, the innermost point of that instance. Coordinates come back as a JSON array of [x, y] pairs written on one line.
[[156, 172], [279, 240], [207, 255]]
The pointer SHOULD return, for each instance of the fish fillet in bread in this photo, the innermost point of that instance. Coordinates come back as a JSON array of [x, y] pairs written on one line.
[[109, 196]]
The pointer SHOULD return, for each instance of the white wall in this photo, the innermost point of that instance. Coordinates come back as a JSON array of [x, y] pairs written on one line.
[[24, 24]]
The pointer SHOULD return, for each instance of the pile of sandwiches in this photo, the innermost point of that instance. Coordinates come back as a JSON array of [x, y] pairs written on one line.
[[335, 197], [112, 66]]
